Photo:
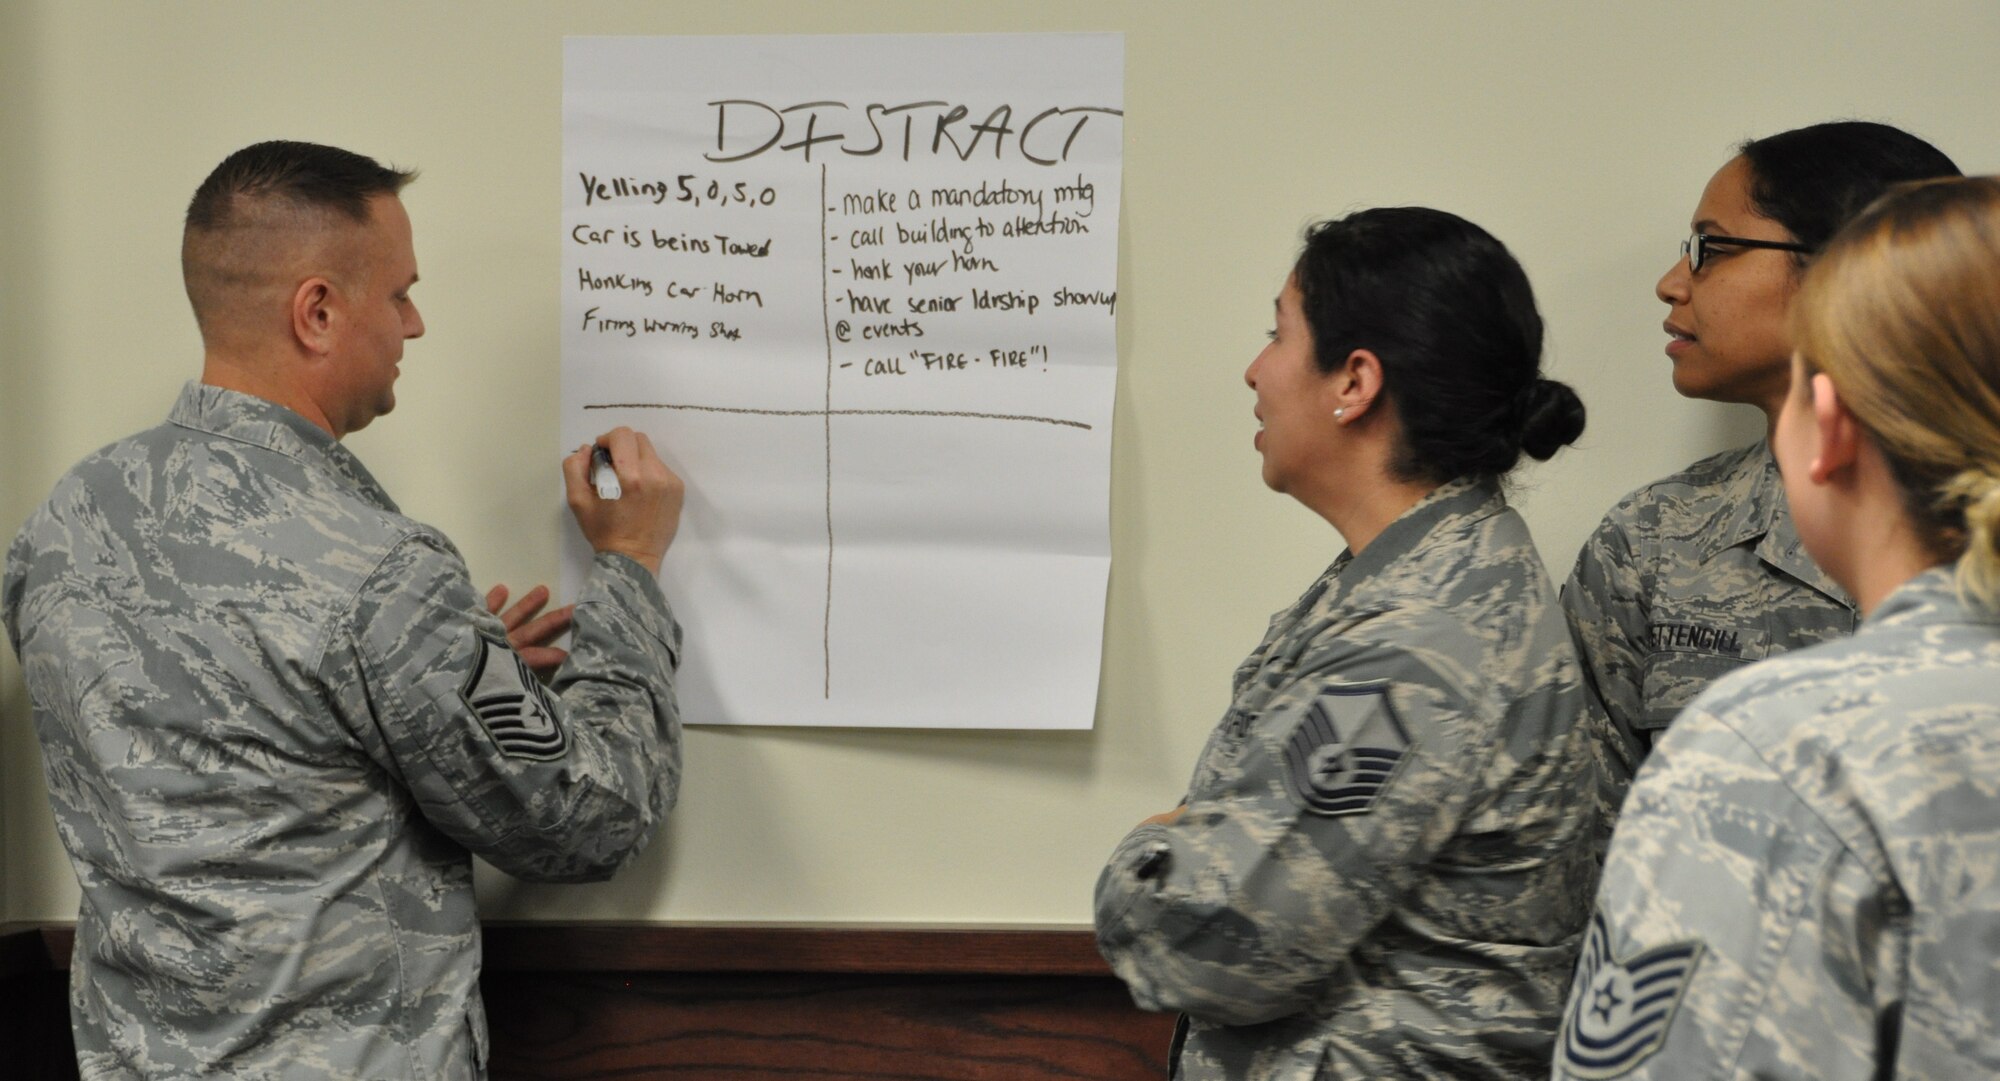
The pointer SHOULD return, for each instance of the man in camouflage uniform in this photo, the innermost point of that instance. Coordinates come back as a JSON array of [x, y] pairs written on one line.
[[1803, 883], [1685, 580], [276, 717], [1382, 867]]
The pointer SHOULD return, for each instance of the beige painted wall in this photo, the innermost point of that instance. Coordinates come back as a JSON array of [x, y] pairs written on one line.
[[1581, 134]]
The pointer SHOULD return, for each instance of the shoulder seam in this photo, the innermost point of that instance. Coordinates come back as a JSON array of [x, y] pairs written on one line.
[[1839, 835], [342, 614]]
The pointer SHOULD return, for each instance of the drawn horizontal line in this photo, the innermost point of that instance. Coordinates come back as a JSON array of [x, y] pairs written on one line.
[[843, 412]]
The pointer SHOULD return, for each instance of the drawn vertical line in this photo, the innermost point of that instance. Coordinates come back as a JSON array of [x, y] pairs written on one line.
[[825, 307]]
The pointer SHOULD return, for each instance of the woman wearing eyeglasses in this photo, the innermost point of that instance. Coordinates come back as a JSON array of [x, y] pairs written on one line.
[[1698, 573], [1382, 867], [1804, 881]]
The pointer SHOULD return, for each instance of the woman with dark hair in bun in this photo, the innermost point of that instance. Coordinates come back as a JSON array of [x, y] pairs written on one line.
[[1382, 864], [1701, 572]]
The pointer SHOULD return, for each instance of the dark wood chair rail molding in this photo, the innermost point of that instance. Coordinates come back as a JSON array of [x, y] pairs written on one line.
[[737, 1002], [898, 949], [618, 946]]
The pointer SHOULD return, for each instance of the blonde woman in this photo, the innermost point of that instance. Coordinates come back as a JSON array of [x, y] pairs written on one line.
[[1806, 881]]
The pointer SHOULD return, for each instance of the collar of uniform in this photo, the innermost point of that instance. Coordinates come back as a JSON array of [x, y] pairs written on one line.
[[229, 414], [1782, 548], [1438, 516], [1453, 503], [1930, 597], [1755, 496], [1440, 513]]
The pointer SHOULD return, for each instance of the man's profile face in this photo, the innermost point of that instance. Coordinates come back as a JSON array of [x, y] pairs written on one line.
[[374, 293]]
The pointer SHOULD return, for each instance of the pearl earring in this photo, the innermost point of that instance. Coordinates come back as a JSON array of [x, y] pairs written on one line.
[[1340, 412]]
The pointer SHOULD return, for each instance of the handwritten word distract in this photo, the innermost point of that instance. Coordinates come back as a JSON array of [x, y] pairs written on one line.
[[746, 128]]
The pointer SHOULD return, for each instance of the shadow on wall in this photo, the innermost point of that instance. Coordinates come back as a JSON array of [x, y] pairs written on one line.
[[23, 417]]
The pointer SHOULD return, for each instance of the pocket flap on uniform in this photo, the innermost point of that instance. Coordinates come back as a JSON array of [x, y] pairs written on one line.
[[1686, 658]]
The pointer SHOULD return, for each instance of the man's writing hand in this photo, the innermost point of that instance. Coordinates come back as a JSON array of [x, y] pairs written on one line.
[[642, 522]]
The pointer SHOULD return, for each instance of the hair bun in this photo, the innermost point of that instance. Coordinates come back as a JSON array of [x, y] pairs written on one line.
[[1976, 492], [1551, 418]]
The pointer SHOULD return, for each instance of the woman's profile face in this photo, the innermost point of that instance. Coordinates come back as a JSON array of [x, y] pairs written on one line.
[[1294, 399], [1726, 323]]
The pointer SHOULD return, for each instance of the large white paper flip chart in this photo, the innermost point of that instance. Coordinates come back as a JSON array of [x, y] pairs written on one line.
[[861, 293]]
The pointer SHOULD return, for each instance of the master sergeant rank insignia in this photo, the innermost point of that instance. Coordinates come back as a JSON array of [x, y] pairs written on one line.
[[511, 703], [1345, 750]]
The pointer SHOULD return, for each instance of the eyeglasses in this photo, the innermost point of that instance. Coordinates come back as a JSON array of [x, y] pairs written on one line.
[[1697, 248]]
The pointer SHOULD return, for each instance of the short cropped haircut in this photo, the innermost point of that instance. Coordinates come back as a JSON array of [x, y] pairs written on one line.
[[303, 174], [259, 199]]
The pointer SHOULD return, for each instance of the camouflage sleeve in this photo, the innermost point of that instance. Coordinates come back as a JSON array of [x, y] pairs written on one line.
[[1605, 604], [1306, 824], [1735, 933], [562, 786]]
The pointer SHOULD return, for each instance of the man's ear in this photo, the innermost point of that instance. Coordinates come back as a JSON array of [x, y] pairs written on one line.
[[1839, 433], [314, 316], [1356, 384]]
